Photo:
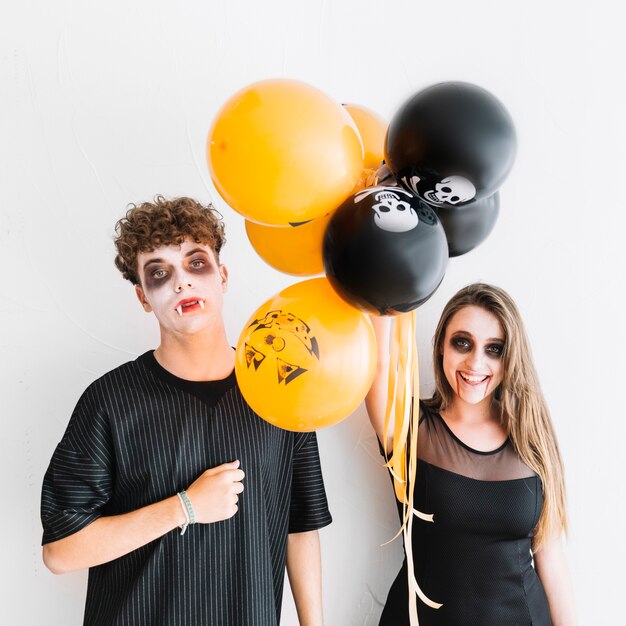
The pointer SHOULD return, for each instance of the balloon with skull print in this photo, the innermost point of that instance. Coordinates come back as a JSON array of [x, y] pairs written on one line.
[[385, 250], [306, 358], [451, 144], [468, 225]]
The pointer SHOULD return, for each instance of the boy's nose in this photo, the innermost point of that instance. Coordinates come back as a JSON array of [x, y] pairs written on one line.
[[181, 286]]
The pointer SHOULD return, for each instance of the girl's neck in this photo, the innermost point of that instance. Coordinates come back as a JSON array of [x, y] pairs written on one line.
[[460, 411]]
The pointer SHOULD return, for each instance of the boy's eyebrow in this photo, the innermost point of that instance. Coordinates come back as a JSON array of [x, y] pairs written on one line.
[[159, 260], [152, 262], [195, 250]]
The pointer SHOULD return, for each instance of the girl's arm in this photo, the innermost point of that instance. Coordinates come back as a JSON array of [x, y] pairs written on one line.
[[376, 398], [551, 565]]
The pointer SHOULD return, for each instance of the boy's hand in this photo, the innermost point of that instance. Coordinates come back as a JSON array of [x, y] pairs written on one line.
[[215, 493]]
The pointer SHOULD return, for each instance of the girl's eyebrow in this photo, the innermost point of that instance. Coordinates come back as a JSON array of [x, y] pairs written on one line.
[[468, 334]]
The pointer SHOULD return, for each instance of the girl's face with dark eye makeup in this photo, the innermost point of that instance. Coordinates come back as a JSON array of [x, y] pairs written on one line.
[[472, 350]]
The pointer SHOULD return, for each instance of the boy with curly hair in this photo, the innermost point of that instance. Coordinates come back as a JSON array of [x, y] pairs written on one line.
[[184, 505]]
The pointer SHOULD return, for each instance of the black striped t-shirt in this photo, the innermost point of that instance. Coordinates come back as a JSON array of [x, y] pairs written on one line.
[[139, 435]]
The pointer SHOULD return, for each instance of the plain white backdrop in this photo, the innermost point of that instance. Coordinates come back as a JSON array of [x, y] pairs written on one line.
[[102, 104]]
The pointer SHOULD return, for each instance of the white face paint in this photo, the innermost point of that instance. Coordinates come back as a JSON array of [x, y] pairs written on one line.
[[451, 190]]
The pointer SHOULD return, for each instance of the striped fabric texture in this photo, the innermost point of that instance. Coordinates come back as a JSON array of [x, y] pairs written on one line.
[[139, 435]]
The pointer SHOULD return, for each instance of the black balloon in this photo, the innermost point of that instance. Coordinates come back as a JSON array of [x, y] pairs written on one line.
[[451, 143], [468, 225], [385, 250]]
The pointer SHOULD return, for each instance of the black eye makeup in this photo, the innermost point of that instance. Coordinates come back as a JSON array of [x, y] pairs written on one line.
[[495, 349], [461, 343], [159, 271], [200, 265], [156, 276]]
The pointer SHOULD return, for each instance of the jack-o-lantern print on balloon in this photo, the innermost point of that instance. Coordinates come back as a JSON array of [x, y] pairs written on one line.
[[282, 335], [306, 358]]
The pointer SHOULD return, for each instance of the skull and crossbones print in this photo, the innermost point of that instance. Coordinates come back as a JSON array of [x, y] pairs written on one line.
[[451, 190], [393, 212]]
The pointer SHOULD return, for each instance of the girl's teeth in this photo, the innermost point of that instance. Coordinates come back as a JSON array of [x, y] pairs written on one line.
[[201, 303], [179, 309], [473, 379]]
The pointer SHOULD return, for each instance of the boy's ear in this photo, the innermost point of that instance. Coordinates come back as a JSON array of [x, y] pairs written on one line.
[[141, 296], [224, 275]]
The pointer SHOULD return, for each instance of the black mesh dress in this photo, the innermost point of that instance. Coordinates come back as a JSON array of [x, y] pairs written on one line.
[[475, 557]]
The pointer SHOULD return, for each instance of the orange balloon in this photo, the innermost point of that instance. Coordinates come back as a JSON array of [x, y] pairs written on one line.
[[294, 250], [306, 358], [372, 128], [281, 151]]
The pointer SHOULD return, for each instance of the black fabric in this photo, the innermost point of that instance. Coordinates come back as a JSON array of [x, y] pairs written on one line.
[[475, 558], [208, 391], [136, 437]]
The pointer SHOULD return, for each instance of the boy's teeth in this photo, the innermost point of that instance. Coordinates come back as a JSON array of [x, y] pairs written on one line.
[[179, 309], [201, 303]]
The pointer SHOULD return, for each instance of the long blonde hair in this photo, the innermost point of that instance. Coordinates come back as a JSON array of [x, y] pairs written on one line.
[[522, 407]]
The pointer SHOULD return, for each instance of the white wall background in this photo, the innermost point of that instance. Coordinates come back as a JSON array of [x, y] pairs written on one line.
[[107, 103]]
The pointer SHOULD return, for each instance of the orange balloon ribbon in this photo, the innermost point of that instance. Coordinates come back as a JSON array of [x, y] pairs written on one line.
[[403, 401]]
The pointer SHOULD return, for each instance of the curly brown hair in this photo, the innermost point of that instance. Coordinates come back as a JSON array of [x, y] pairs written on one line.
[[162, 223]]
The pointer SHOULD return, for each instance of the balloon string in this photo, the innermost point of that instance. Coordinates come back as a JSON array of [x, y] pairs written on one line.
[[367, 178], [403, 401], [403, 396]]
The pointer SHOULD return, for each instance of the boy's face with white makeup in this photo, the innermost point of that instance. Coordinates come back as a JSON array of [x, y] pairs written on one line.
[[183, 286]]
